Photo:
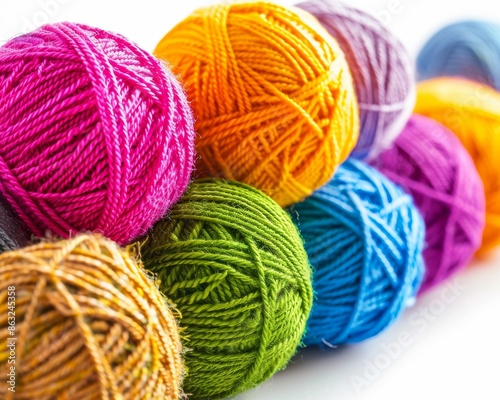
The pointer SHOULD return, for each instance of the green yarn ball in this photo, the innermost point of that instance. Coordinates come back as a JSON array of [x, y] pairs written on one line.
[[234, 265]]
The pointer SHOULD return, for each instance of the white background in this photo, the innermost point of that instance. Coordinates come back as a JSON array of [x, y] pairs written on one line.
[[447, 346]]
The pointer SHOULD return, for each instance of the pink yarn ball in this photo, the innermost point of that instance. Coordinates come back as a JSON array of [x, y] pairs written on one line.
[[95, 133], [432, 165]]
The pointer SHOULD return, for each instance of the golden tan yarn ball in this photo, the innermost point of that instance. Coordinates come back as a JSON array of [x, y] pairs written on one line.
[[80, 320]]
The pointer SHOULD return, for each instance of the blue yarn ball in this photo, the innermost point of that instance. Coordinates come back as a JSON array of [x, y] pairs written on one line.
[[470, 49], [364, 238]]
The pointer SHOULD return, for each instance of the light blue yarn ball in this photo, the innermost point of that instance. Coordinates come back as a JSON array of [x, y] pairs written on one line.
[[470, 49], [364, 238]]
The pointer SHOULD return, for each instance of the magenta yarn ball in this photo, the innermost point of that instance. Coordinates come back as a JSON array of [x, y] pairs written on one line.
[[431, 164], [382, 71], [95, 133]]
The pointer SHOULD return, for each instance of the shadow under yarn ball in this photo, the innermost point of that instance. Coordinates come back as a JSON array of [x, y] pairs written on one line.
[[90, 325], [272, 94], [95, 133], [234, 265], [470, 49], [364, 239], [13, 233], [472, 112], [381, 68], [431, 164]]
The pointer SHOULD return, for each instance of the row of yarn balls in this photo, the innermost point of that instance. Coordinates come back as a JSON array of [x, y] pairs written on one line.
[[219, 284]]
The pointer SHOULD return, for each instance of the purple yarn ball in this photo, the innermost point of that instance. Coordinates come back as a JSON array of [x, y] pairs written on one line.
[[382, 70], [431, 164]]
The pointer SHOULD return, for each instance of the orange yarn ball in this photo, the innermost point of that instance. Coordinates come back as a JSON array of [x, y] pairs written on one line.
[[272, 96], [472, 111]]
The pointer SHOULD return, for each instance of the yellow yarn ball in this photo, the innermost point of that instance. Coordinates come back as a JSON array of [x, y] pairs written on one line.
[[272, 94], [472, 111]]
